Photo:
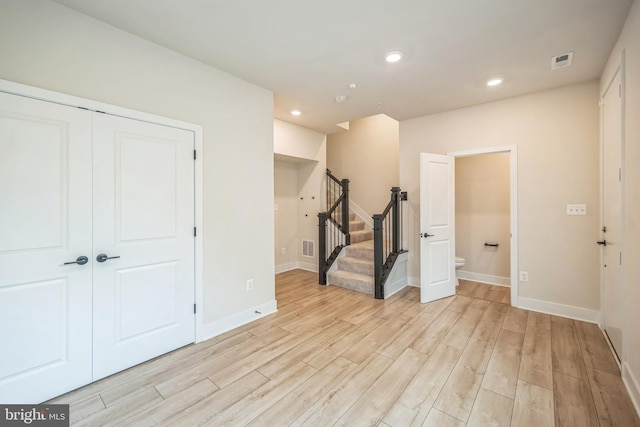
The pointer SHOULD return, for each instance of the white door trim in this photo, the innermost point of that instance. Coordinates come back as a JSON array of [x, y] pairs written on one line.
[[74, 101], [513, 208]]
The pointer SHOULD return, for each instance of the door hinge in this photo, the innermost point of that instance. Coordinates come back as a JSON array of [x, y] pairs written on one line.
[[194, 309], [195, 231], [620, 174], [620, 258], [194, 155], [619, 91]]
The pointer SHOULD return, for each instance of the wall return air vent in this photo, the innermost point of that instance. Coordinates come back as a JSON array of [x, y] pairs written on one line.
[[308, 249], [561, 61]]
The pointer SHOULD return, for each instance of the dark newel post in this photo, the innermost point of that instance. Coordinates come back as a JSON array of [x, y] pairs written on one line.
[[345, 211], [377, 255], [395, 234], [322, 248]]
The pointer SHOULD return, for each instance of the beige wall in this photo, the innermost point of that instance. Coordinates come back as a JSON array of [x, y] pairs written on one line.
[[366, 154], [300, 168], [630, 41], [556, 134], [482, 214], [47, 45]]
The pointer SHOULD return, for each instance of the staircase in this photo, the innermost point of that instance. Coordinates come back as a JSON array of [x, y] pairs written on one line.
[[356, 268], [363, 258]]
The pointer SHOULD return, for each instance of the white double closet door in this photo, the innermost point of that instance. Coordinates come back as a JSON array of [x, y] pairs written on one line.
[[73, 184]]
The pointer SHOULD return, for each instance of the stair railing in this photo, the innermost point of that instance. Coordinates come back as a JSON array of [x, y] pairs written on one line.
[[387, 239], [333, 225]]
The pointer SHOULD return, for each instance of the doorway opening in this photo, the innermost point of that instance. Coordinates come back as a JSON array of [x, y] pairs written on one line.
[[486, 216]]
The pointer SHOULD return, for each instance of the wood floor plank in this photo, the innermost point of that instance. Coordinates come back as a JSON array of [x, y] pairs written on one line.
[[502, 372], [459, 303], [177, 403], [207, 408], [299, 352], [418, 397], [533, 406], [539, 320], [239, 368], [516, 320], [459, 392], [459, 333], [491, 409], [433, 333], [574, 404], [440, 419], [376, 339], [123, 409], [325, 355], [210, 366], [259, 400], [595, 350], [536, 365], [81, 410], [566, 352], [406, 336], [488, 328], [374, 403], [334, 404], [613, 404], [296, 402]]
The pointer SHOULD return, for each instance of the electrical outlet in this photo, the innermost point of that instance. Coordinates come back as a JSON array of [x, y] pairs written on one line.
[[249, 284], [524, 276], [284, 251], [576, 209]]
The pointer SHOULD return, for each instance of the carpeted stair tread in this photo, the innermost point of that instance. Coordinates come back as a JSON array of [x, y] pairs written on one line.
[[356, 226], [355, 281], [361, 236], [356, 265]]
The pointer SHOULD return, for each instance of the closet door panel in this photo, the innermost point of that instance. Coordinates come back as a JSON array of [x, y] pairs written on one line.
[[45, 221], [144, 215]]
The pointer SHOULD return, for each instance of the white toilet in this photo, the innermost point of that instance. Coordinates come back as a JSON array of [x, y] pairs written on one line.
[[459, 264]]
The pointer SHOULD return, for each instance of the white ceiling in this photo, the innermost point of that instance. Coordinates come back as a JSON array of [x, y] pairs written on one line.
[[308, 52]]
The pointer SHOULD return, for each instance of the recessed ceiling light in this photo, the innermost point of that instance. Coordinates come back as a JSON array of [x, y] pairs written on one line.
[[495, 81], [295, 112], [393, 56]]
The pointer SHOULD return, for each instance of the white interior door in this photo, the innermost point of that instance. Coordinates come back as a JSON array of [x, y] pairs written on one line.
[[437, 227], [45, 222], [144, 226], [612, 213]]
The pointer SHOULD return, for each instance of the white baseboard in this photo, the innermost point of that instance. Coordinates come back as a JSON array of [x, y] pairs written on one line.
[[413, 281], [296, 265], [484, 278], [218, 327], [562, 310], [633, 386]]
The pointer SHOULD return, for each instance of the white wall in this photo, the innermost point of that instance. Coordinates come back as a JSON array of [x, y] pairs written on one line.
[[483, 216], [301, 162], [47, 45], [367, 155], [629, 41], [556, 133]]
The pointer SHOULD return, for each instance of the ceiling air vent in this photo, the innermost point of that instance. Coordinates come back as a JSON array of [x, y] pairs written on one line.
[[561, 61]]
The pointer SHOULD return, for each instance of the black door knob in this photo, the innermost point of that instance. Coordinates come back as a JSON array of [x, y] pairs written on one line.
[[427, 235], [602, 243], [104, 257], [81, 260]]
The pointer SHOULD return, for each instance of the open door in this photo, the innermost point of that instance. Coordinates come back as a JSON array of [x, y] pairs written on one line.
[[437, 227]]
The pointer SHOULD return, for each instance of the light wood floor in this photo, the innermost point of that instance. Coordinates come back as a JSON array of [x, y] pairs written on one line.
[[331, 356]]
